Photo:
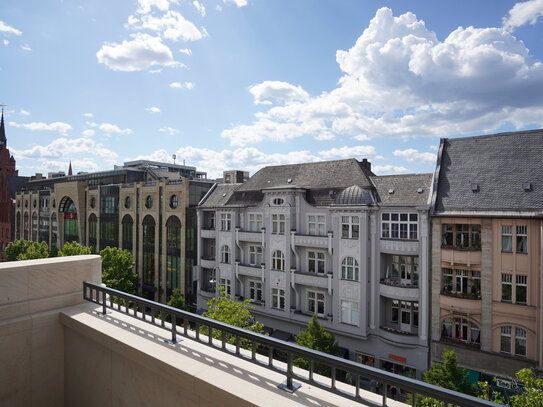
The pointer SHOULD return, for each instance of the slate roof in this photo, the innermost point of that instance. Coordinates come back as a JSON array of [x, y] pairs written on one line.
[[319, 175], [498, 164], [405, 189], [219, 196]]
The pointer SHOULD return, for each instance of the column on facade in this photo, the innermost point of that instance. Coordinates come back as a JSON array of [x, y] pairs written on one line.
[[487, 274], [424, 289]]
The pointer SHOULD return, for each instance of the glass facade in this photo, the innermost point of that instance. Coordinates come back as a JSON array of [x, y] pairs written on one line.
[[71, 225], [128, 232], [93, 223], [109, 217], [148, 250], [173, 252]]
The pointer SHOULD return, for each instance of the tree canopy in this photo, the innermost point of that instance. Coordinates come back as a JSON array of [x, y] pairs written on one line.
[[117, 270], [74, 249]]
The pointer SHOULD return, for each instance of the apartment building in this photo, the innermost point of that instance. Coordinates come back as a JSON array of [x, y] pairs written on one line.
[[145, 207], [330, 239], [486, 253]]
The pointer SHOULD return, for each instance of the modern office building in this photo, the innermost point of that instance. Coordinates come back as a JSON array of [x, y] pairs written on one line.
[[10, 183], [486, 253], [145, 207], [329, 239]]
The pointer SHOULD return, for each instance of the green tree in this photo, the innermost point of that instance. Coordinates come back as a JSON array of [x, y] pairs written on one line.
[[74, 249], [35, 250], [117, 270], [532, 396], [177, 300], [317, 338], [15, 248], [238, 313]]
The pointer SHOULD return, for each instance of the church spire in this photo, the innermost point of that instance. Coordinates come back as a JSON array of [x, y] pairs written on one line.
[[70, 169], [3, 140]]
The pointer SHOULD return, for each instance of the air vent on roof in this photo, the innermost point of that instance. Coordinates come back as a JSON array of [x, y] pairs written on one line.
[[391, 191], [224, 194], [289, 181], [420, 190], [527, 186], [474, 187]]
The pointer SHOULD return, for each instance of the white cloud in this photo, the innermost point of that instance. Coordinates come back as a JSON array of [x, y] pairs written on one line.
[[87, 114], [388, 169], [279, 91], [399, 80], [153, 109], [64, 147], [109, 128], [199, 7], [218, 7], [527, 12], [60, 127], [145, 6], [412, 155], [185, 51], [6, 42], [142, 52], [6, 29], [88, 133], [171, 26], [239, 3], [26, 47], [358, 152], [180, 85], [23, 112], [170, 130]]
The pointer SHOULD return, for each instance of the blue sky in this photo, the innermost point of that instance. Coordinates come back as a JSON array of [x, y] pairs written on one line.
[[239, 84]]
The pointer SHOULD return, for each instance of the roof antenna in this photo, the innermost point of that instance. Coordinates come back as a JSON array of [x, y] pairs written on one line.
[[174, 157]]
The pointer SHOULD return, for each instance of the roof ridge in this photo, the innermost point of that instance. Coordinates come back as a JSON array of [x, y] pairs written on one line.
[[501, 134]]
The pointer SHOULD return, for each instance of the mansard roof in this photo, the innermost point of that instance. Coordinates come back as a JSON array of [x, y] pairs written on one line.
[[219, 195], [403, 190], [494, 173]]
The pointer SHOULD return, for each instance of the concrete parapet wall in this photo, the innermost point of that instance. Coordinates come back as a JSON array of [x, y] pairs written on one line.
[[31, 336]]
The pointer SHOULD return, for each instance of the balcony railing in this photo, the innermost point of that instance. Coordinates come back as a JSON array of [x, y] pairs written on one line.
[[155, 313]]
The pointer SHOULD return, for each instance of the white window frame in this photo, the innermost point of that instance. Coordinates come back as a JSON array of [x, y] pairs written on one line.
[[314, 299], [226, 222], [225, 254], [349, 312], [350, 227], [521, 280], [507, 280], [319, 262], [521, 239], [278, 260], [278, 223], [394, 227], [278, 298], [346, 269], [255, 255], [316, 225], [255, 222], [507, 238], [255, 289], [227, 284]]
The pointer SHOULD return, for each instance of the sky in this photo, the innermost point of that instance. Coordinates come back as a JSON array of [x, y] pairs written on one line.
[[241, 84]]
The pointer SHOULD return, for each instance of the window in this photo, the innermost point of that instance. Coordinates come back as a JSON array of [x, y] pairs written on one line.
[[255, 290], [513, 341], [278, 260], [149, 202], [403, 270], [462, 330], [255, 255], [350, 227], [315, 302], [395, 310], [225, 282], [93, 202], [225, 254], [461, 236], [255, 222], [278, 201], [278, 298], [226, 221], [278, 224], [349, 312], [349, 269], [174, 201], [461, 282], [399, 226], [521, 289], [316, 225], [127, 202], [507, 287], [522, 239], [507, 238], [315, 262]]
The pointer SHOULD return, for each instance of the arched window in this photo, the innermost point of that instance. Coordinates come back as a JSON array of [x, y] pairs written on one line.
[[26, 226], [128, 232], [513, 341], [461, 330], [149, 253], [18, 225], [54, 230], [34, 227], [225, 254], [349, 269], [173, 252], [93, 222], [278, 260], [71, 232]]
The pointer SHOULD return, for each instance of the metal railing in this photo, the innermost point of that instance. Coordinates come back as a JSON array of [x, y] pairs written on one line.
[[279, 355]]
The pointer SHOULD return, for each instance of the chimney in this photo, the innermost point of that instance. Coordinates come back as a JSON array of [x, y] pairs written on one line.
[[365, 164]]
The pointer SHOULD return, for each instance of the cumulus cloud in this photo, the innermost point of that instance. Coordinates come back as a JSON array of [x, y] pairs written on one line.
[[412, 155], [185, 51], [400, 80], [350, 152], [142, 52], [527, 12], [279, 91], [239, 3], [64, 147], [26, 47], [146, 6], [23, 112], [109, 128], [199, 7], [6, 29], [153, 109], [182, 85], [60, 127], [88, 133], [171, 26], [170, 130], [389, 169], [87, 115], [6, 42]]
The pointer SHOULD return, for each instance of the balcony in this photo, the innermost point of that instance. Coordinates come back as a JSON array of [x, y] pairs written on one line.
[[253, 237], [208, 261], [399, 246], [321, 242], [397, 335], [208, 233], [311, 279], [398, 291], [62, 350], [249, 271]]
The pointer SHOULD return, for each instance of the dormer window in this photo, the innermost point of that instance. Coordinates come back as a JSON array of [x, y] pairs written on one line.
[[278, 201]]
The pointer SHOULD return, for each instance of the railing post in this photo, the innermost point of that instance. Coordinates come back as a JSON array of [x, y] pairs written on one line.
[[289, 385], [104, 308], [174, 331]]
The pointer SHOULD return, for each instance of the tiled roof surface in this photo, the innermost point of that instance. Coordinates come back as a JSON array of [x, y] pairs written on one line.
[[405, 189], [499, 165], [219, 196]]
